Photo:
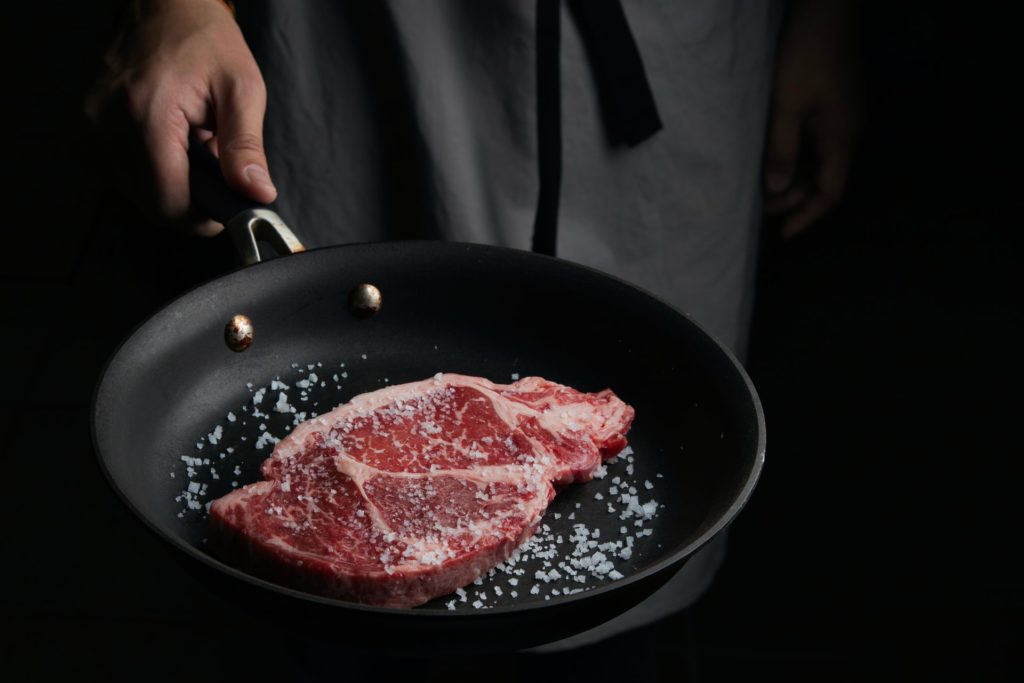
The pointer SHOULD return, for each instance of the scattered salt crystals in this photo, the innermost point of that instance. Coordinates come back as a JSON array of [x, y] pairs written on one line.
[[265, 438], [564, 561], [214, 436], [282, 405]]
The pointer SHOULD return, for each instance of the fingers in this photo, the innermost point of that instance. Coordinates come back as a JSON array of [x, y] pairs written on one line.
[[786, 201], [176, 66], [829, 182], [239, 104], [165, 139], [164, 133], [783, 147]]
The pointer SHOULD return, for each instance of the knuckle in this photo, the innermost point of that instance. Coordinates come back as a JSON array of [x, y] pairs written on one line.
[[138, 102], [242, 143], [245, 85]]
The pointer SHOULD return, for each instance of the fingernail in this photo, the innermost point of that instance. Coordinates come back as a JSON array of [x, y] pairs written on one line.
[[257, 175], [776, 181]]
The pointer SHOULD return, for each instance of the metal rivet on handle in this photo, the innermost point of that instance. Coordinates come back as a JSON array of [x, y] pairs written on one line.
[[365, 300], [238, 333]]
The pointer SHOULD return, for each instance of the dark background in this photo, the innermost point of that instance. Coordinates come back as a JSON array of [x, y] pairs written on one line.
[[882, 538]]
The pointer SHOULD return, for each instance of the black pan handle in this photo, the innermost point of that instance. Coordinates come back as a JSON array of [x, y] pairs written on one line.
[[247, 222]]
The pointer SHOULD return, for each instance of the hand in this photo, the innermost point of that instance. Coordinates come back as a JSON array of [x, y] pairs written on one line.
[[182, 64], [814, 114]]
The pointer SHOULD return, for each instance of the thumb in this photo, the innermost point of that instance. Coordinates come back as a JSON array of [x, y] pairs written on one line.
[[783, 147], [243, 162]]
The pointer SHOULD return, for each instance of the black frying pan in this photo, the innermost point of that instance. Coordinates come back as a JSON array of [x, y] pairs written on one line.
[[449, 307]]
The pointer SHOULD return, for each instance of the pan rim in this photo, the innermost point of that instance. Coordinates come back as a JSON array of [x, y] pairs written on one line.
[[422, 613]]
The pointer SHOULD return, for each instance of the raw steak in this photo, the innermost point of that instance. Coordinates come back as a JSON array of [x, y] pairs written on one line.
[[407, 493]]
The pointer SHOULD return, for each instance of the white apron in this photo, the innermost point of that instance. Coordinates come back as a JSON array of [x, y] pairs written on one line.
[[410, 119]]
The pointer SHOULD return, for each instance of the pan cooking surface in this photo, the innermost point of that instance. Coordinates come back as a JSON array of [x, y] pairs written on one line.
[[592, 533], [464, 309]]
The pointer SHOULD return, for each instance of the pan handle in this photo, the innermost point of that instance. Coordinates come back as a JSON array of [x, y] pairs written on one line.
[[246, 222]]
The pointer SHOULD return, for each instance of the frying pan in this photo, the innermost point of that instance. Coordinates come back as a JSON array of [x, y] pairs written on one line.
[[698, 436]]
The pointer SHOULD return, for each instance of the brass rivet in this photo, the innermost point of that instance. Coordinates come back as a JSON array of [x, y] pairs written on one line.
[[238, 333], [365, 300]]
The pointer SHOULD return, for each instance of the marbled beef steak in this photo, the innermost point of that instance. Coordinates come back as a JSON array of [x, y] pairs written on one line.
[[407, 493]]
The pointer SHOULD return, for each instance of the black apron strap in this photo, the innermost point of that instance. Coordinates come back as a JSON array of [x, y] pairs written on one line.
[[549, 125], [627, 103]]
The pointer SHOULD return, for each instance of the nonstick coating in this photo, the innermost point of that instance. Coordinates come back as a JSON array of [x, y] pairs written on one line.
[[447, 308]]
